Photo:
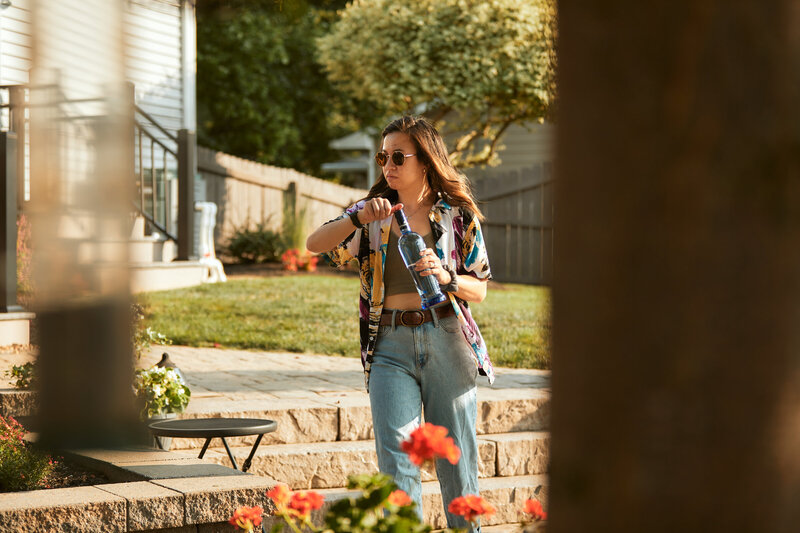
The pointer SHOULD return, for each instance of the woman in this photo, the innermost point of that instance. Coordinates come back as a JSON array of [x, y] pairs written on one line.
[[415, 359]]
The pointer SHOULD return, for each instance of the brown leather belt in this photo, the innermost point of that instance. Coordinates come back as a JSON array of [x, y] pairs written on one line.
[[415, 317]]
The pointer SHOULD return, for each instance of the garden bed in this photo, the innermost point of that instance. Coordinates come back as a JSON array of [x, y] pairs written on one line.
[[69, 474], [239, 270]]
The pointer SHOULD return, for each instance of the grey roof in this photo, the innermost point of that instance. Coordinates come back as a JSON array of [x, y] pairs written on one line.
[[359, 140], [360, 164]]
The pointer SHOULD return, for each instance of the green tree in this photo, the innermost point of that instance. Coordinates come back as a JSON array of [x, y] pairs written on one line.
[[261, 93], [473, 67]]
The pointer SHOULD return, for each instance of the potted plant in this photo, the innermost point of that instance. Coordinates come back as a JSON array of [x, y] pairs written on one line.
[[163, 393]]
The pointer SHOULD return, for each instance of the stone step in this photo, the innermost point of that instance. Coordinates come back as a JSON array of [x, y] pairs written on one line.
[[159, 276], [347, 416], [506, 494], [151, 250], [328, 464]]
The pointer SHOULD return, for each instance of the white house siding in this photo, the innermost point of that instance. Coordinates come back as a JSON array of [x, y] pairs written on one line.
[[154, 55], [78, 53], [154, 62], [153, 34], [15, 62], [15, 43]]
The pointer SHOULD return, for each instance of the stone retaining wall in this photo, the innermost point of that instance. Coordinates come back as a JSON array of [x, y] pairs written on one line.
[[193, 503]]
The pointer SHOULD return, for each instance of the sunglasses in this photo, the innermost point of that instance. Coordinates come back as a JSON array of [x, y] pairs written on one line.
[[398, 158]]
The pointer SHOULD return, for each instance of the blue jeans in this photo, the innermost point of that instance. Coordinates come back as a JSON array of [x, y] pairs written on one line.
[[429, 366]]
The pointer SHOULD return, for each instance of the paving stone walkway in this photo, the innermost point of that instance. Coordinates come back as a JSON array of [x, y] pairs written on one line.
[[241, 374]]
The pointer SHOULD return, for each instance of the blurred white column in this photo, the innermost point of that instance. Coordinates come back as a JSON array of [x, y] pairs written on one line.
[[81, 185]]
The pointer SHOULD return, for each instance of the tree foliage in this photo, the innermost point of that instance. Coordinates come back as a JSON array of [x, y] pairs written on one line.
[[261, 93], [475, 67]]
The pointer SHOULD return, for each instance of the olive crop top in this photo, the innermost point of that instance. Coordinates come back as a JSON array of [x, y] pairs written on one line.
[[396, 277]]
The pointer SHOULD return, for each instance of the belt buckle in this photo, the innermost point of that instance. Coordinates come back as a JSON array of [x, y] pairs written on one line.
[[414, 312]]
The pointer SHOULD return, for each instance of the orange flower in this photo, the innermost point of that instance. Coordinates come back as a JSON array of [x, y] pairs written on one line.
[[246, 518], [303, 502], [290, 259], [471, 507], [430, 442], [311, 265], [280, 494], [399, 498], [534, 508]]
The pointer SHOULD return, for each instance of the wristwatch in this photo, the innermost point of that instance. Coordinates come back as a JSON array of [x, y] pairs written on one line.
[[453, 285], [354, 219]]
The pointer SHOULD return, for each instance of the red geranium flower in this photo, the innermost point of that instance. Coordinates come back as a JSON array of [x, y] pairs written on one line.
[[303, 502], [280, 494], [430, 442], [399, 498], [534, 508], [290, 259], [246, 518], [471, 507]]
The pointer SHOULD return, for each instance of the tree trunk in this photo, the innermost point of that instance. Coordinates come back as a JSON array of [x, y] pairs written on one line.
[[676, 367]]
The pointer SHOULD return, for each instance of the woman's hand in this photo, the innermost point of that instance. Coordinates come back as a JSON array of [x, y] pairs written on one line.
[[430, 265], [377, 209]]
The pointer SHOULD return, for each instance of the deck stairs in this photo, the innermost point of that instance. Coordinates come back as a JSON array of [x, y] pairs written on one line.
[[153, 266]]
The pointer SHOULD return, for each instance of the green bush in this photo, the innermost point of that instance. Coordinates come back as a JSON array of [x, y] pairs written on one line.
[[24, 376], [260, 245], [142, 335], [24, 278], [21, 468]]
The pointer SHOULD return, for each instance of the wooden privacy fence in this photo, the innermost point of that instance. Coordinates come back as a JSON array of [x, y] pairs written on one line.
[[519, 208], [248, 193]]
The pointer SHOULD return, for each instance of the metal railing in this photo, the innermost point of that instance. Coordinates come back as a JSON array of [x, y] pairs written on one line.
[[161, 160], [156, 167]]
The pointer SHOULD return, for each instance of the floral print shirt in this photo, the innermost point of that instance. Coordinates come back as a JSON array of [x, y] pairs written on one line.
[[459, 243]]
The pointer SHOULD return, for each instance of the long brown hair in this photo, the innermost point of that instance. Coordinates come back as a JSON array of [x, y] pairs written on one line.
[[441, 174]]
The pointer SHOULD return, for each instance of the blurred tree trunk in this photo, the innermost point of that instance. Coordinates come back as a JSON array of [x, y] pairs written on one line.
[[676, 368]]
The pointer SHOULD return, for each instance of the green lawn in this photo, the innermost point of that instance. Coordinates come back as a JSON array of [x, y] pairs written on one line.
[[317, 314]]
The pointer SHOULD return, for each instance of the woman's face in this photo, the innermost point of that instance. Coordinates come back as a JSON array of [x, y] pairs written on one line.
[[411, 173]]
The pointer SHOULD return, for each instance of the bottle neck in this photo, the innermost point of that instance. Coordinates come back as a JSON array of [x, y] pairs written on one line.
[[402, 221]]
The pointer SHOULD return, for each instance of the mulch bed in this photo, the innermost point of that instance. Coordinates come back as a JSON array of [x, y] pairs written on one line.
[[258, 270], [68, 474]]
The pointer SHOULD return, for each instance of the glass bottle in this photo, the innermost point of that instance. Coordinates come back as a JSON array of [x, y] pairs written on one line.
[[410, 245]]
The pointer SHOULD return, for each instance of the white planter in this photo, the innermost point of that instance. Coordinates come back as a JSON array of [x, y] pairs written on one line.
[[162, 443]]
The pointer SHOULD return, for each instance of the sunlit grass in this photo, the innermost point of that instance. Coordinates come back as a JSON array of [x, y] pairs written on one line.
[[317, 314]]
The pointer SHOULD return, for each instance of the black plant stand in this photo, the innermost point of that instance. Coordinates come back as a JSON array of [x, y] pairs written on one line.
[[209, 428]]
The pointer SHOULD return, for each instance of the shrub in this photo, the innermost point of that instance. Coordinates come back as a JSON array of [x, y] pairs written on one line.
[[24, 376], [143, 336], [24, 278], [21, 468], [260, 245]]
